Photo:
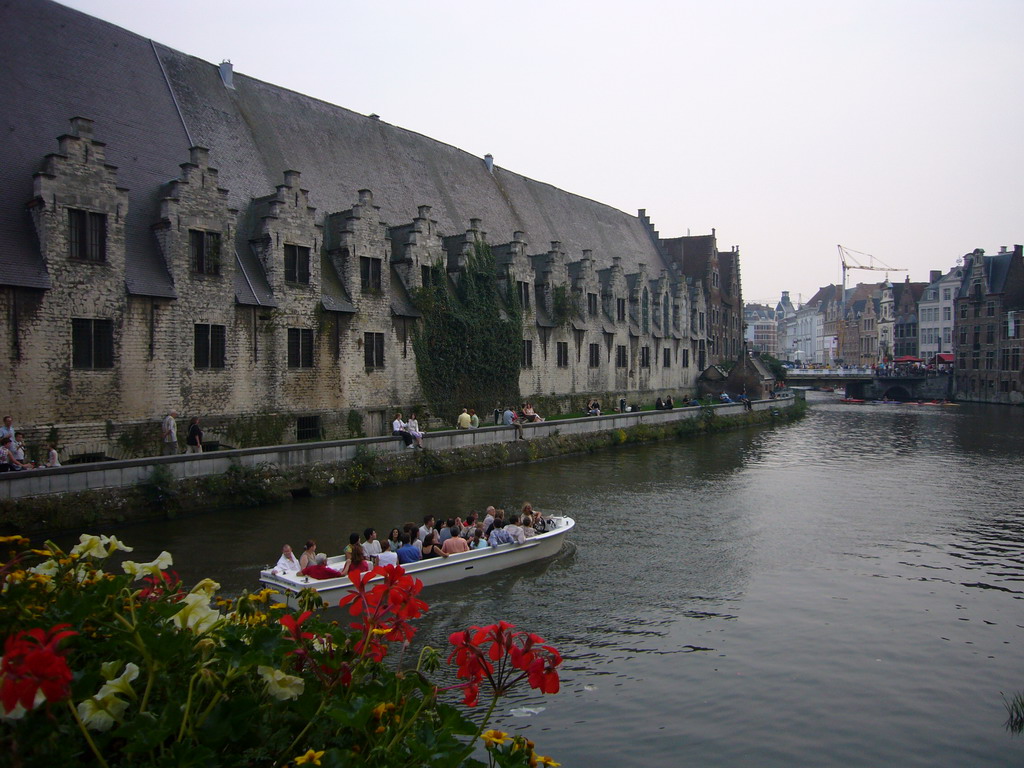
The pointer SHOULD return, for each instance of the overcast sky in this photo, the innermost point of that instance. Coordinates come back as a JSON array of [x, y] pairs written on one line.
[[892, 127]]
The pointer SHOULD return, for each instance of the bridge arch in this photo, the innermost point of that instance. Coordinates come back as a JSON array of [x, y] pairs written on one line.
[[897, 392]]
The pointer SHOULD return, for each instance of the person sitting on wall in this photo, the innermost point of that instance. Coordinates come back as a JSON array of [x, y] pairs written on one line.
[[18, 451], [724, 397], [659, 404], [474, 420], [320, 569], [510, 419], [464, 421], [400, 429], [669, 405], [593, 408], [530, 414]]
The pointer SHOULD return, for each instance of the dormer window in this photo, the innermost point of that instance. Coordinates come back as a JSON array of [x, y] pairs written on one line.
[[204, 252], [592, 304], [620, 310], [523, 289], [296, 264], [369, 274], [87, 235]]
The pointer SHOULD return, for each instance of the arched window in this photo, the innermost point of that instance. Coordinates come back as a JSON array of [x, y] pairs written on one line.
[[645, 322]]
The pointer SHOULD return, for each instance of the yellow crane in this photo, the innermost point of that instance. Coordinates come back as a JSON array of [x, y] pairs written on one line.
[[848, 262]]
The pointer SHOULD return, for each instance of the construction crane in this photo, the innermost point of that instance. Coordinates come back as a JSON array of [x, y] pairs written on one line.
[[847, 263]]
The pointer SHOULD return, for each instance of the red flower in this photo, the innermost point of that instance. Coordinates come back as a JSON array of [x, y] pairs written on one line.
[[385, 610], [294, 627], [543, 674], [31, 663]]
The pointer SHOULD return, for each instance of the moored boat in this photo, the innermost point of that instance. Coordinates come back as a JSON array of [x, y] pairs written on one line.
[[436, 570]]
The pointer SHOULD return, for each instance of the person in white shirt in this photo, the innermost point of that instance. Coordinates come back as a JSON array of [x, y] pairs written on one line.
[[7, 430], [514, 530], [386, 556], [427, 527], [287, 563], [400, 429], [488, 517], [371, 547]]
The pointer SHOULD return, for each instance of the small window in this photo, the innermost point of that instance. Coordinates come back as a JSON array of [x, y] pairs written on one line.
[[373, 350], [204, 252], [307, 428], [620, 310], [645, 315], [300, 348], [595, 355], [424, 274], [92, 343], [990, 333], [210, 345], [87, 235], [526, 360], [990, 309], [562, 353], [686, 358], [666, 358], [369, 274], [524, 294], [296, 264], [645, 357], [592, 304], [620, 356]]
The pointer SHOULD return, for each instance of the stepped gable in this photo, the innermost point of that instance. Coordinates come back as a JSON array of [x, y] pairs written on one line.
[[255, 129], [69, 64]]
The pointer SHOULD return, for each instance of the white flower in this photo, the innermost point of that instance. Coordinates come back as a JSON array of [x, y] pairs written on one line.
[[120, 685], [19, 711], [196, 614], [99, 714], [138, 570], [46, 568], [89, 546], [207, 587], [113, 544], [281, 685]]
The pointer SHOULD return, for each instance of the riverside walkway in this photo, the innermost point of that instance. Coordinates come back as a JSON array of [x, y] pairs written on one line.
[[130, 472]]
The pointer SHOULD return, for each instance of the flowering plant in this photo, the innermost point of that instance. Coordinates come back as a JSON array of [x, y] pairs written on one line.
[[132, 669]]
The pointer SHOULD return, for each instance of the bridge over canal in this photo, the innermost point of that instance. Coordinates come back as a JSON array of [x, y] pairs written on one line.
[[870, 384]]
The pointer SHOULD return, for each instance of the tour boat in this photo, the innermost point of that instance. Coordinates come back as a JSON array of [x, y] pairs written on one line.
[[435, 570]]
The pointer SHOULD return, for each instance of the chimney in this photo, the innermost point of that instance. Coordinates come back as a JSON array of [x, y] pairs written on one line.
[[423, 212], [365, 197], [81, 127], [227, 74], [199, 155], [489, 162], [934, 276], [1002, 249]]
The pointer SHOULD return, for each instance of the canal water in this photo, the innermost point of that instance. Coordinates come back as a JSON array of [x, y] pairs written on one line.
[[843, 591]]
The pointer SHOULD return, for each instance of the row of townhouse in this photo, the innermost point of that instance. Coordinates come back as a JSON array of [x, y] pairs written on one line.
[[967, 318]]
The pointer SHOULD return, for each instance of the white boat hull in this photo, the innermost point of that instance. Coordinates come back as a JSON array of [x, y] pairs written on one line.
[[436, 570]]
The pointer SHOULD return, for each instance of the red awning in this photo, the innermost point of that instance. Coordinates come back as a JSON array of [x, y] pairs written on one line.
[[908, 359], [944, 357]]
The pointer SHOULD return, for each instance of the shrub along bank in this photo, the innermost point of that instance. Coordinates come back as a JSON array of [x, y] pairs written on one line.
[[161, 496]]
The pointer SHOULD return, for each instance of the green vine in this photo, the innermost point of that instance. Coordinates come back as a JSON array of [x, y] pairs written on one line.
[[564, 308], [468, 345]]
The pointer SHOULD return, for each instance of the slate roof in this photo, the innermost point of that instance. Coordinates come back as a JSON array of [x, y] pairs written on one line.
[[59, 63]]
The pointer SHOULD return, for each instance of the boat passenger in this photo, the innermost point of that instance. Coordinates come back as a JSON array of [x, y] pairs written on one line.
[[528, 529], [499, 514], [386, 556], [287, 563], [353, 541], [514, 530], [320, 569], [455, 544], [431, 548], [427, 527], [442, 535], [469, 526], [308, 556], [408, 553], [358, 562], [498, 534], [394, 539], [479, 542], [488, 518], [371, 547]]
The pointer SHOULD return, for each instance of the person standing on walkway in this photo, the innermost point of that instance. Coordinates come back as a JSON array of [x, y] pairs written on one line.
[[170, 434], [194, 438]]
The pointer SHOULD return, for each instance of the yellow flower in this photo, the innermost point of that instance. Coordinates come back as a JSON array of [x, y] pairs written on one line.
[[493, 737], [120, 685], [281, 685], [207, 587], [312, 756], [196, 614], [543, 760], [99, 714], [16, 540], [278, 606], [89, 545]]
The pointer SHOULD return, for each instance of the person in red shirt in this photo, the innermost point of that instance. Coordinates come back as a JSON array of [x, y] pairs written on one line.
[[320, 569]]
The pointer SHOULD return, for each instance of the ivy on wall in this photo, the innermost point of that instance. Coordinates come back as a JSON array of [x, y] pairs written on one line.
[[469, 343]]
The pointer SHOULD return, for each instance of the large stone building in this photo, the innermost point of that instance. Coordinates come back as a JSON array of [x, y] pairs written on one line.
[[989, 310], [175, 235]]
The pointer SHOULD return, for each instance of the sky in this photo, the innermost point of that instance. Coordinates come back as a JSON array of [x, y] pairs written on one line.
[[891, 127]]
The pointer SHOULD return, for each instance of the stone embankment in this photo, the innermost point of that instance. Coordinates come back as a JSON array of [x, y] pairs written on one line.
[[70, 498]]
